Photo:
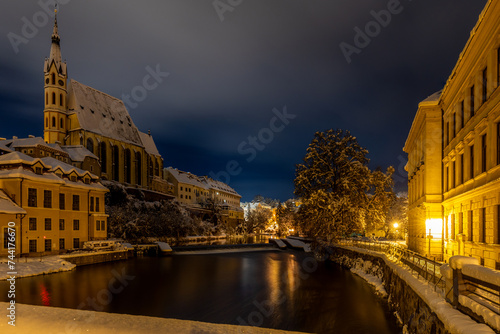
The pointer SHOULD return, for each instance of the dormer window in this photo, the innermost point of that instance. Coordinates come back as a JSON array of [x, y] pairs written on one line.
[[38, 170], [73, 178]]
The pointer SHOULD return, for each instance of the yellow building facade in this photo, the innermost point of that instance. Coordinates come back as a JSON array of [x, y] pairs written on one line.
[[469, 153], [54, 206]]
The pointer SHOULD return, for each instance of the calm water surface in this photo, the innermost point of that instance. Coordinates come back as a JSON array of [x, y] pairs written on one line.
[[275, 289]]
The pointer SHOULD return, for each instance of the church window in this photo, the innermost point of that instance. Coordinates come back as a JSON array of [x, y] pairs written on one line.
[[61, 102], [90, 145], [53, 79], [53, 98], [102, 154], [127, 166], [61, 123], [46, 98], [138, 168], [46, 122], [53, 122]]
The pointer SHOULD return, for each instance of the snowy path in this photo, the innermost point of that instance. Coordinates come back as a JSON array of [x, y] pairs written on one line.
[[54, 320], [26, 267]]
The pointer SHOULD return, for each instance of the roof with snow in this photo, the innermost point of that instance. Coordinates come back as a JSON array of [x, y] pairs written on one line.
[[78, 153], [54, 164], [218, 185], [17, 158], [148, 143], [434, 97], [101, 113], [7, 206], [27, 142], [186, 178]]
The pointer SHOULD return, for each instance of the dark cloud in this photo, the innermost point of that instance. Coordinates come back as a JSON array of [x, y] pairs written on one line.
[[226, 77]]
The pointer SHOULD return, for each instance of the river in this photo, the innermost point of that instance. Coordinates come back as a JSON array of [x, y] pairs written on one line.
[[287, 290]]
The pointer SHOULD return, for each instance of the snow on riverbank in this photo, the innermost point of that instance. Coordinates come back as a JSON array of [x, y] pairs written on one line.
[[54, 320], [454, 321], [26, 267], [371, 279]]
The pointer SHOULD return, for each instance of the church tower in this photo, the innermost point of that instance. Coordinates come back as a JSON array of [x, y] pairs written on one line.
[[55, 86]]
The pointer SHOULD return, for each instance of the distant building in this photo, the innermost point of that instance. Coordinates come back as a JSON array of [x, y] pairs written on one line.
[[53, 205], [77, 116], [454, 155], [201, 195]]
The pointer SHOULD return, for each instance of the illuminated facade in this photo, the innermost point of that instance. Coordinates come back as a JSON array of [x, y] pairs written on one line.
[[469, 173], [53, 206]]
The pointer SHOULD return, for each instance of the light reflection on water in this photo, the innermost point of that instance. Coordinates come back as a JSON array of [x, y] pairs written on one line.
[[271, 289]]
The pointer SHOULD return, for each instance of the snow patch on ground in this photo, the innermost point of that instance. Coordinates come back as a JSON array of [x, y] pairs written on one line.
[[26, 267], [55, 320], [453, 320]]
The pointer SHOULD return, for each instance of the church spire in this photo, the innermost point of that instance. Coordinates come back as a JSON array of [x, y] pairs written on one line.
[[55, 49]]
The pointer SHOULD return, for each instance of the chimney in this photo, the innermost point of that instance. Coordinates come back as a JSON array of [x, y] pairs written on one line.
[[149, 133], [31, 136], [14, 137]]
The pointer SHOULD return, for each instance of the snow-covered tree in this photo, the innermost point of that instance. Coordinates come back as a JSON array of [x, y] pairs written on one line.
[[285, 217], [257, 220], [332, 182], [381, 200]]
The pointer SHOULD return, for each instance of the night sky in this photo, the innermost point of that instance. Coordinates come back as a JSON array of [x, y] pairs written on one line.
[[227, 76]]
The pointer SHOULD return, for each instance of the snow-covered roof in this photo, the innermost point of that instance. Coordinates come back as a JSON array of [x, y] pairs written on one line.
[[21, 172], [148, 143], [78, 153], [186, 178], [66, 168], [101, 113], [27, 142], [218, 185], [434, 97], [16, 158], [7, 206]]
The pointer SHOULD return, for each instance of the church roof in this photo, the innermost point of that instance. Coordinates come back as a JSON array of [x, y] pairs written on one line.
[[149, 143], [78, 153], [101, 113]]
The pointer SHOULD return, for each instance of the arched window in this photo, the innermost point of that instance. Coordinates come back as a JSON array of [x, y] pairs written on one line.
[[157, 168], [116, 163], [46, 122], [151, 165], [138, 168], [103, 156], [90, 145], [61, 100], [53, 98], [46, 98], [53, 122], [53, 79], [61, 123], [127, 166]]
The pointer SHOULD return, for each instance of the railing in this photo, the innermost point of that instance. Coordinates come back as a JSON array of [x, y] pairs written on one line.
[[421, 265]]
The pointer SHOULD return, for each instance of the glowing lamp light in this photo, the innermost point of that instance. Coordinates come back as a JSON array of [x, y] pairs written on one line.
[[434, 227], [396, 225]]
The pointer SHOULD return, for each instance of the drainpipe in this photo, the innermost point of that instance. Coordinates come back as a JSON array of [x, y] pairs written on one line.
[[442, 182], [21, 218], [88, 215]]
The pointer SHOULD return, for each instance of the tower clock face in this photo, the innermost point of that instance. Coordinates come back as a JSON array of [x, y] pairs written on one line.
[[61, 83], [47, 81]]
